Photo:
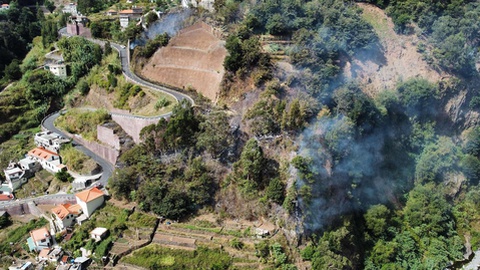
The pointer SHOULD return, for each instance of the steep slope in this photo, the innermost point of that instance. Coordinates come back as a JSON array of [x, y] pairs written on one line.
[[192, 59], [395, 59]]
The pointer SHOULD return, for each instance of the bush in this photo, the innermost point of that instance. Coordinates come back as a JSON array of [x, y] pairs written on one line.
[[161, 103]]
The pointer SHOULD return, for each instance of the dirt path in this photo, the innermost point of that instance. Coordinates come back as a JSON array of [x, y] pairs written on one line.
[[395, 59]]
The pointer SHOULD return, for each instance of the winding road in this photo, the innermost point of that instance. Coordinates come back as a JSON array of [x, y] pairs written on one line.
[[107, 168]]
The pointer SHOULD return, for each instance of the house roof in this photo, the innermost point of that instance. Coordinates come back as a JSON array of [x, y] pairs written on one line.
[[39, 234], [4, 197], [99, 231], [131, 11], [63, 210], [41, 153], [5, 5], [89, 194], [44, 252]]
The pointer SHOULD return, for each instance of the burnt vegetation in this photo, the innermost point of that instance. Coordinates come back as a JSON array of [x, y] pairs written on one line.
[[385, 181]]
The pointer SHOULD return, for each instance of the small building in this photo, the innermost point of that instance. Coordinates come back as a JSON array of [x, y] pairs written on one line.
[[65, 214], [24, 266], [39, 239], [16, 174], [4, 198], [128, 15], [50, 140], [112, 12], [49, 160], [98, 234], [70, 8], [90, 200], [59, 70], [77, 26], [5, 7]]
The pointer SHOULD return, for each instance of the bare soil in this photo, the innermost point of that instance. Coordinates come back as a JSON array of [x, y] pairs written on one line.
[[395, 59], [192, 59]]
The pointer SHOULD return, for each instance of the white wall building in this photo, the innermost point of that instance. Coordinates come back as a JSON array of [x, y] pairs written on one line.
[[98, 234], [39, 239], [89, 200], [59, 70], [49, 160], [65, 215], [49, 140]]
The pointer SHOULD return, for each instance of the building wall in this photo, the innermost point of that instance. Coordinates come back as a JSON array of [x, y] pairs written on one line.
[[89, 208], [93, 205]]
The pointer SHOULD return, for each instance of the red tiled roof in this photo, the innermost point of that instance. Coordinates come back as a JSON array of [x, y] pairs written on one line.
[[39, 234], [4, 197], [89, 195], [41, 153], [63, 210]]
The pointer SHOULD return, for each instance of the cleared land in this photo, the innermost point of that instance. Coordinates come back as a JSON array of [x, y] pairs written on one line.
[[396, 58], [192, 59]]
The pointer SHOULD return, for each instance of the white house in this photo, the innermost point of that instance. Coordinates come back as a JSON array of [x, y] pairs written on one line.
[[16, 174], [4, 7], [129, 14], [98, 234], [70, 8], [59, 70], [49, 160], [39, 239], [65, 214], [49, 140], [89, 200]]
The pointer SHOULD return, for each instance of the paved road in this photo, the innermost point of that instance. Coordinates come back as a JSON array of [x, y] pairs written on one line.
[[122, 50], [107, 168]]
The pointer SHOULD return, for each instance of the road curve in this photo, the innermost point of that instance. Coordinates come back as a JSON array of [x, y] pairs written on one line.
[[123, 51], [107, 168]]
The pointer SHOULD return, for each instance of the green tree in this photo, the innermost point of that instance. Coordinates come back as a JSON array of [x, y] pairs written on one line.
[[12, 70], [376, 219], [215, 134], [249, 169]]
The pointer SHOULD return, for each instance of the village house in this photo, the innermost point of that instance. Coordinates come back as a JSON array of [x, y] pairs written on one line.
[[24, 266], [39, 239], [49, 160], [65, 215], [89, 200], [49, 140], [98, 234], [50, 254], [59, 70], [16, 174], [4, 7], [129, 15], [112, 12], [70, 8]]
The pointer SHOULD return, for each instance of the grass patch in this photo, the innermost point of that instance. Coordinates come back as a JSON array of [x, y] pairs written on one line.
[[155, 257], [82, 122], [19, 235], [118, 221], [76, 161], [16, 147], [36, 56], [380, 25], [196, 228], [35, 186]]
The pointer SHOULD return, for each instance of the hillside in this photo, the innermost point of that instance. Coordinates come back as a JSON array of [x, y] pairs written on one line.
[[396, 58], [193, 59]]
